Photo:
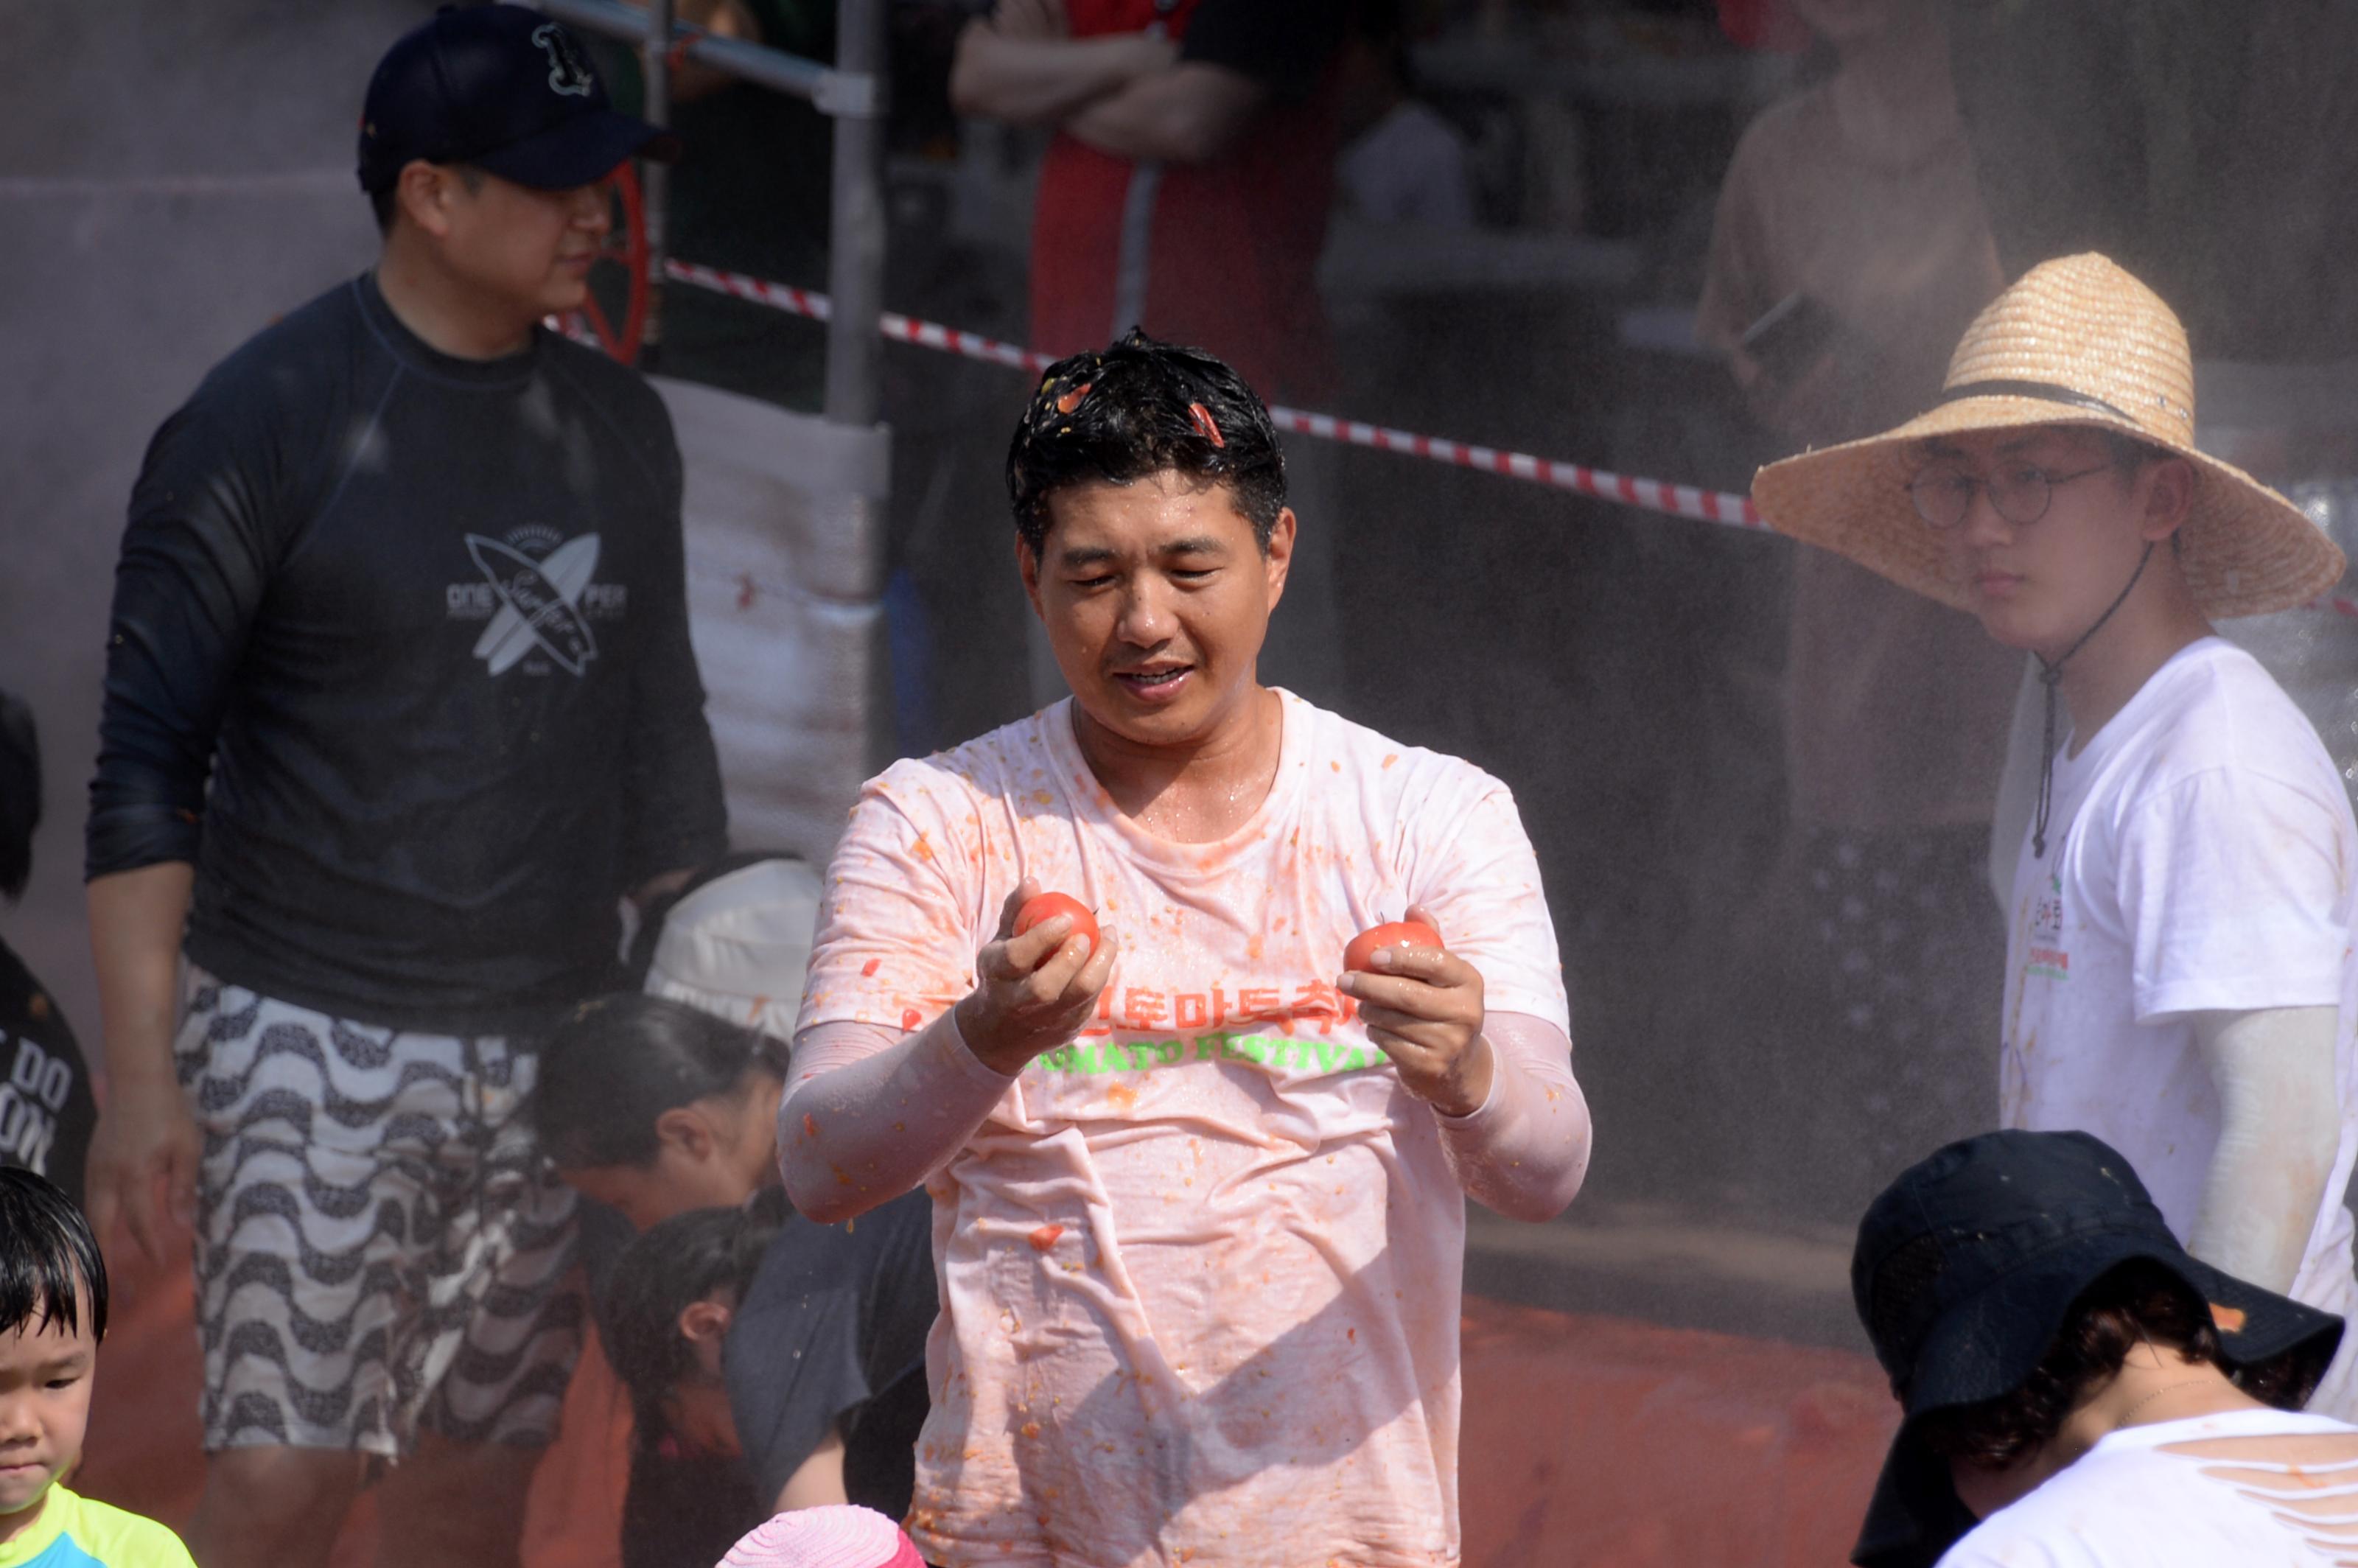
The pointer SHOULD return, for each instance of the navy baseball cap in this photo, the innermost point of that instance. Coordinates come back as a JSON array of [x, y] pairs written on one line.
[[503, 88]]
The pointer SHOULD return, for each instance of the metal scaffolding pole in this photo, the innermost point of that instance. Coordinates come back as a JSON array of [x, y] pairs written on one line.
[[838, 528], [855, 274], [654, 181], [852, 92]]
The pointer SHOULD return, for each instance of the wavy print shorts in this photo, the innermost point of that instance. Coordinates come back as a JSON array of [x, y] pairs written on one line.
[[380, 1247]]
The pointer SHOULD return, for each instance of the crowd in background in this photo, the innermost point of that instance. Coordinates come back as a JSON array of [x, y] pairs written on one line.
[[1767, 786]]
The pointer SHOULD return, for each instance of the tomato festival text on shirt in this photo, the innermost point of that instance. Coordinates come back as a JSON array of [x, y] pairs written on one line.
[[1315, 1007], [1143, 1009], [1262, 1050]]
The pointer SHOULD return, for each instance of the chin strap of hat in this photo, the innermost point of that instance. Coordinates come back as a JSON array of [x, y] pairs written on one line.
[[2051, 675]]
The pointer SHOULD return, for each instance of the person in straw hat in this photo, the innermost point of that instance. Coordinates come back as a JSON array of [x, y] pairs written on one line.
[[2178, 973]]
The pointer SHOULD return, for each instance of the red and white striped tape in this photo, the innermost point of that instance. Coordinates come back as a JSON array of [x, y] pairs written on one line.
[[1652, 494], [1676, 499]]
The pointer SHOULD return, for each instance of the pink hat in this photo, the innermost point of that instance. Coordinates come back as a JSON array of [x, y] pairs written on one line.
[[839, 1536]]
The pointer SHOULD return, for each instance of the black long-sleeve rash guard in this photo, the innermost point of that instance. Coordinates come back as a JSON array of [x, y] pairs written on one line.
[[423, 621]]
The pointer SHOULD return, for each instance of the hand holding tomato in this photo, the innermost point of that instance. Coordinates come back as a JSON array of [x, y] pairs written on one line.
[[1037, 982], [1422, 1007]]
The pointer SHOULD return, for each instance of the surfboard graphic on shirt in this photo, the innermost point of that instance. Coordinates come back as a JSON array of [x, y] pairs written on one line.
[[539, 602]]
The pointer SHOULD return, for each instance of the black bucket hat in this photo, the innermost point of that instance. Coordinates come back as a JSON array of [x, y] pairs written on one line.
[[503, 88], [1966, 1269]]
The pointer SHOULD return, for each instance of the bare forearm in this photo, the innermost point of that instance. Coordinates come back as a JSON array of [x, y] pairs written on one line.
[[2279, 1128], [860, 1125], [137, 919], [817, 1481], [1188, 114], [1042, 81], [1525, 1152]]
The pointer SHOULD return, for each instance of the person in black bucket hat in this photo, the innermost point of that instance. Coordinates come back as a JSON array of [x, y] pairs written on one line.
[[2054, 1351]]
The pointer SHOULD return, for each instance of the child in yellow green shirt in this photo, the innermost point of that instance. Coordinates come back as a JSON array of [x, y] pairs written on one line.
[[53, 1316]]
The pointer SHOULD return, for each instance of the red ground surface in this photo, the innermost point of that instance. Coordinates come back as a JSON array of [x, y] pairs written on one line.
[[1594, 1442]]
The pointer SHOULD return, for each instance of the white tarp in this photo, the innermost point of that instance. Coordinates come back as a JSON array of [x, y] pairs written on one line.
[[784, 518]]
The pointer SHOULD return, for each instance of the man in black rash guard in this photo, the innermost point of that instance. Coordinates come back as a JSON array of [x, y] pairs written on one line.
[[403, 578]]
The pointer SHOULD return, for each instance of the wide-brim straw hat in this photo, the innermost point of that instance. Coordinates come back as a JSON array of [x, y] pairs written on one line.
[[2076, 341]]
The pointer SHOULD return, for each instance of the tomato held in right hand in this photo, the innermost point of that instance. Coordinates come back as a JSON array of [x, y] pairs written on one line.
[[1048, 905], [1361, 953]]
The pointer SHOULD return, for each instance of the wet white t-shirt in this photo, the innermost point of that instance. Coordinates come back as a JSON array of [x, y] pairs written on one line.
[[2200, 857], [1200, 1268], [2260, 1489]]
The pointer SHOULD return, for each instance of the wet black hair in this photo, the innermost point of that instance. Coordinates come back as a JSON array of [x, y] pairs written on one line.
[[2139, 1303], [20, 794], [668, 1269], [614, 1065], [50, 1264], [1144, 407]]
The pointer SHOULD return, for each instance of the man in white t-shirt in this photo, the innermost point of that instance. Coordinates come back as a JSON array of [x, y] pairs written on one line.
[[1199, 1196], [2179, 974], [2075, 1382]]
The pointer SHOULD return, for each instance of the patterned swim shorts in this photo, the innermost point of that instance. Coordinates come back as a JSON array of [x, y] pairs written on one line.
[[379, 1247]]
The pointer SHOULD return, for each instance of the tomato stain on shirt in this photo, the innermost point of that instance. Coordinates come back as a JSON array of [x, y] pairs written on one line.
[[1180, 1001], [868, 970], [810, 1127]]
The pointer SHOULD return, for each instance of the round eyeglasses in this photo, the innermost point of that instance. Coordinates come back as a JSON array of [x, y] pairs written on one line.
[[1944, 495]]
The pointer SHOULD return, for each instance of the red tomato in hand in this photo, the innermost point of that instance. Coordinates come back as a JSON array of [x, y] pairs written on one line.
[[1361, 953], [1048, 905]]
